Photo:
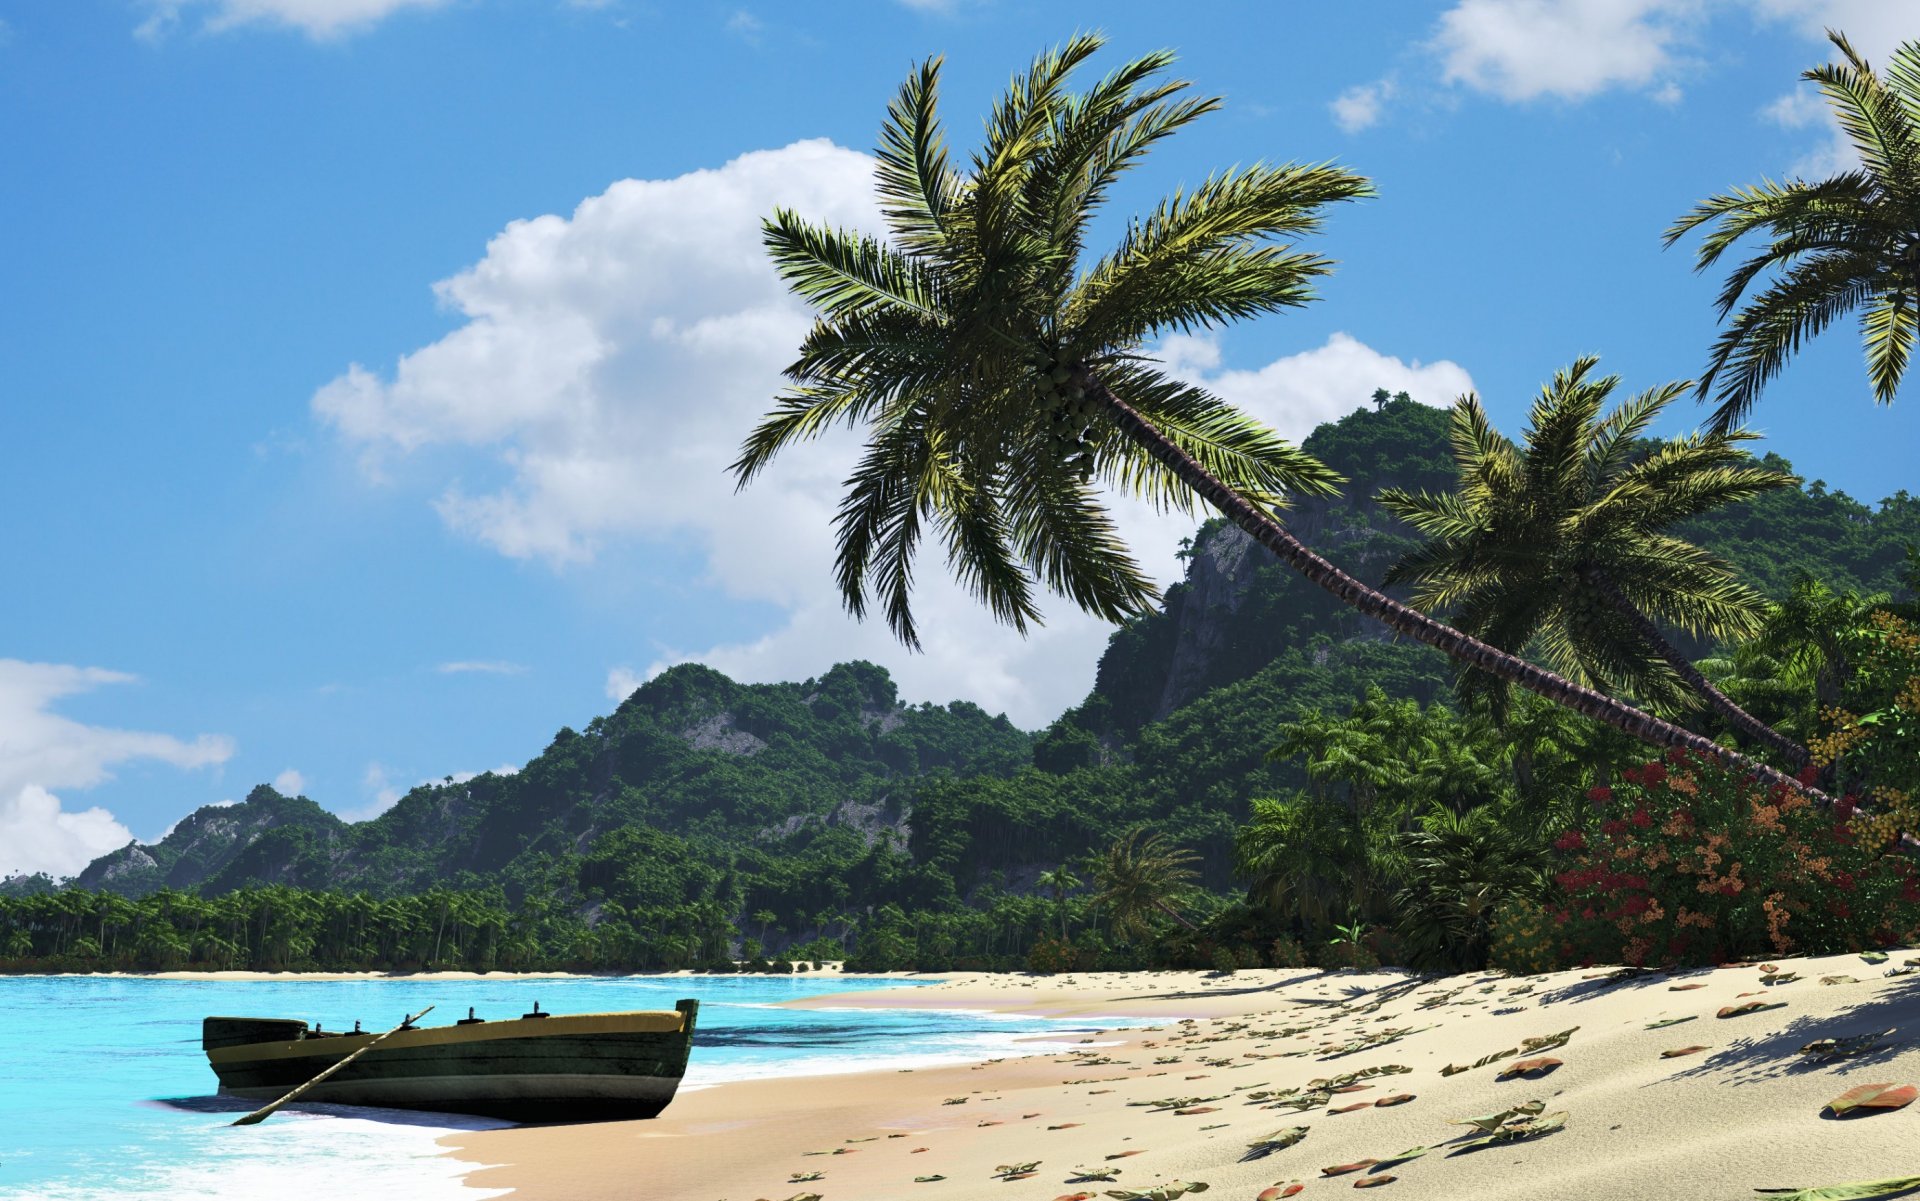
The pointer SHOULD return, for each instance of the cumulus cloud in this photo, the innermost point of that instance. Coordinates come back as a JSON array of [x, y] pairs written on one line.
[[290, 783], [1358, 108], [318, 19], [41, 751], [621, 682], [1294, 394], [1568, 49], [609, 365], [489, 667]]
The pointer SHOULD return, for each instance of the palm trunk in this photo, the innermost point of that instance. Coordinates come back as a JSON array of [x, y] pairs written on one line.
[[1173, 913], [1412, 623], [1795, 754]]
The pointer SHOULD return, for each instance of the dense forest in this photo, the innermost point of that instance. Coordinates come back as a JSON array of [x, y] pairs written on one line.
[[1255, 777]]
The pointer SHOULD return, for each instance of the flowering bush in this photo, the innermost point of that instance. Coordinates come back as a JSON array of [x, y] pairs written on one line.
[[1690, 861], [1525, 940]]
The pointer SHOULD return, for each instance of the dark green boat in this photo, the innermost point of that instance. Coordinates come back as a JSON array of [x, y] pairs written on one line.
[[581, 1067]]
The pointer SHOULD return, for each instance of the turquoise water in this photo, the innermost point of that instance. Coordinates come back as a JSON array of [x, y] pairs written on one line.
[[104, 1091]]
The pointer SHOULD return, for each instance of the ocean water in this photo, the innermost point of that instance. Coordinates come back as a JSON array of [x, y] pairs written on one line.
[[105, 1093]]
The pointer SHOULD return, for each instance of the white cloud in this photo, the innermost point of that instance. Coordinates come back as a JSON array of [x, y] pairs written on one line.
[[382, 795], [318, 19], [1359, 107], [41, 751], [290, 783], [621, 682], [612, 361], [1294, 394], [491, 667], [1568, 49], [744, 24]]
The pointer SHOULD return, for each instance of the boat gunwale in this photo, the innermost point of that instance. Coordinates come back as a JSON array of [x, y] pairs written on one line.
[[656, 1021]]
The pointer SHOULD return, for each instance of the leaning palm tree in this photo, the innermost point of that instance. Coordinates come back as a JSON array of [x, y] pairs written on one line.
[[990, 365], [1851, 241], [1139, 877], [1565, 545]]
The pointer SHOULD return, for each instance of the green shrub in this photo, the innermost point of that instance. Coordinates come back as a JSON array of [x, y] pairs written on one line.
[[1523, 942], [1286, 951], [1225, 961], [1049, 955]]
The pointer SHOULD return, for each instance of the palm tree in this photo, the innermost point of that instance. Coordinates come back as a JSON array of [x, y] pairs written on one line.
[[1851, 241], [991, 371], [1565, 545], [1059, 881], [1138, 877]]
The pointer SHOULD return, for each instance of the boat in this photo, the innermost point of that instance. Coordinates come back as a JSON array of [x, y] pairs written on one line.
[[539, 1067]]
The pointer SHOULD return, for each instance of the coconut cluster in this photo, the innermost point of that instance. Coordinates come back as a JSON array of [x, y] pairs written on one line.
[[1070, 412]]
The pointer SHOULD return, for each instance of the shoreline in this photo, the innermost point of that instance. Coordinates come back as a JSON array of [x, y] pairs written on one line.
[[1743, 1111], [827, 973]]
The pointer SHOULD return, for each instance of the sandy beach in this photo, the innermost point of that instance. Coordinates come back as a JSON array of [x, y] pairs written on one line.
[[1259, 1054]]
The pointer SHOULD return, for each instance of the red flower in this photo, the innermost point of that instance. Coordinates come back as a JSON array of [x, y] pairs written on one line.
[[1844, 807], [1677, 755], [1641, 818], [1840, 909], [1809, 774], [1654, 773], [1613, 827], [1572, 840], [1631, 775], [1843, 881]]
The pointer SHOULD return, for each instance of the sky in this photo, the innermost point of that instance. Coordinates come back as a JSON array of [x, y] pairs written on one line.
[[369, 369]]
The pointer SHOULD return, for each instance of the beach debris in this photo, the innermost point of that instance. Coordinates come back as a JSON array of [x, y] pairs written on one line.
[[1899, 971], [1483, 1061], [1404, 1156], [1514, 1129], [1842, 1048], [803, 1177], [1530, 1068], [1350, 1108], [1663, 1023], [1093, 1175], [1124, 1154], [1350, 1088], [1065, 1126], [896, 1136], [954, 1101], [1859, 1191], [1684, 987], [1176, 1102], [1280, 1191], [1677, 1052], [871, 1138], [1493, 1121], [989, 1122], [1076, 1197], [1374, 1181], [1781, 978], [1547, 1042], [1843, 979], [1873, 956], [1196, 1110], [1873, 1096], [1279, 1140], [805, 1197], [927, 1179], [1734, 1011], [1395, 1099], [1164, 1192], [1341, 1169]]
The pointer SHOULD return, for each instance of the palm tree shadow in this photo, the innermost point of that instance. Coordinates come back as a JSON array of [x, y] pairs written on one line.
[[1350, 992], [1777, 1055]]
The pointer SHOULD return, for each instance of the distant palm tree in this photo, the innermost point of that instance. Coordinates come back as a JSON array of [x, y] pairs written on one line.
[[1564, 545], [1059, 881], [1846, 242], [990, 366], [1138, 877]]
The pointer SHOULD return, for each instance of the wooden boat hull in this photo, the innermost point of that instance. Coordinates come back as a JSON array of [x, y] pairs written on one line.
[[564, 1068]]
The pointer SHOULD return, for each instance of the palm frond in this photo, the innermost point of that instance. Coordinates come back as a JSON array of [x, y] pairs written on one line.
[[915, 183]]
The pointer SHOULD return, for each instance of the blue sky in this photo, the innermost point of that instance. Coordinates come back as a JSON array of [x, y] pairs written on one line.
[[371, 366]]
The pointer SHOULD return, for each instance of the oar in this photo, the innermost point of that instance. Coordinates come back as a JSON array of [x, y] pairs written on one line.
[[267, 1111]]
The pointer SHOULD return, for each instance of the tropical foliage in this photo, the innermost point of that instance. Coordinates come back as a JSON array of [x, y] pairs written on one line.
[[1848, 242]]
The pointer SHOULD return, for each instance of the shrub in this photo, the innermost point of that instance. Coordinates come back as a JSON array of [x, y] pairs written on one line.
[[1049, 954], [1524, 940], [1225, 961], [1689, 861], [1286, 951]]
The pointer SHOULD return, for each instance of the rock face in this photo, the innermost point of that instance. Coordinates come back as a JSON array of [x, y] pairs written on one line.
[[1219, 577], [209, 842]]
